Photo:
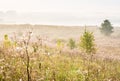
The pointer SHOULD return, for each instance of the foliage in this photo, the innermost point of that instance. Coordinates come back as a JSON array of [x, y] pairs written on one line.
[[7, 42], [71, 43], [56, 67], [60, 44], [87, 42], [106, 28], [16, 65]]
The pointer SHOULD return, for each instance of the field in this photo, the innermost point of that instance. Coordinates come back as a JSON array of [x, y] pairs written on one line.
[[36, 57]]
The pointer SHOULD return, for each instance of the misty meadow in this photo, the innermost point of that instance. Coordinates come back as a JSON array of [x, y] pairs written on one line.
[[59, 40]]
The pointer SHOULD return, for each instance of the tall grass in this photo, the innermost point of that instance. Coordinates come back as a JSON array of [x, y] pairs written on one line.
[[46, 64]]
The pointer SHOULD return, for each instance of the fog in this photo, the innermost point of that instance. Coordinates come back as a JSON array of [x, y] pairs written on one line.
[[59, 12], [51, 18]]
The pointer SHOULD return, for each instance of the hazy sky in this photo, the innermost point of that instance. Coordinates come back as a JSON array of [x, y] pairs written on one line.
[[61, 5], [79, 8]]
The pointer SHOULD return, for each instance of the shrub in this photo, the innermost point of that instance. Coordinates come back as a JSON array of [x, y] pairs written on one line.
[[71, 43], [60, 44], [6, 41]]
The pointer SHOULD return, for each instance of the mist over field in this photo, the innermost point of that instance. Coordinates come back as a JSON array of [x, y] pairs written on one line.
[[60, 12], [59, 40], [57, 18]]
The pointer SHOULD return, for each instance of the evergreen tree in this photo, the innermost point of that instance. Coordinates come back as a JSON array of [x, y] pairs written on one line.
[[87, 42], [106, 28], [71, 43]]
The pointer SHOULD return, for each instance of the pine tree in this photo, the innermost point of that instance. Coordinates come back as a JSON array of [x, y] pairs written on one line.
[[71, 43], [87, 42], [106, 28]]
